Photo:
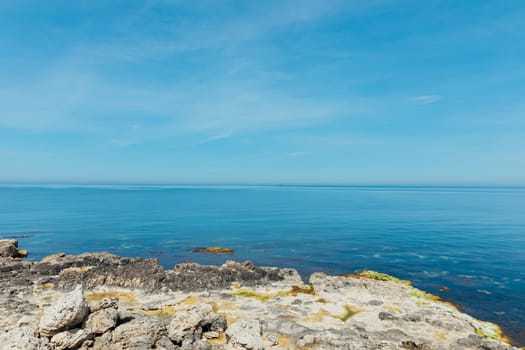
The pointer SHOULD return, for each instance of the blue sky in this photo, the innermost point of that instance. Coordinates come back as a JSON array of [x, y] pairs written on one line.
[[306, 91]]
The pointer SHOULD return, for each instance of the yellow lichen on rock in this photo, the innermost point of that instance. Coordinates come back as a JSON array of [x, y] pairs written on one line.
[[75, 270], [190, 300], [307, 289], [125, 297], [220, 340], [492, 331], [391, 308], [417, 293], [165, 311], [319, 316], [350, 311], [441, 336], [22, 253], [285, 342], [45, 286], [262, 297]]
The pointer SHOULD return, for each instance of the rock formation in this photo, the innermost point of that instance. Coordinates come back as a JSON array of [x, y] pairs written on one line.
[[102, 301]]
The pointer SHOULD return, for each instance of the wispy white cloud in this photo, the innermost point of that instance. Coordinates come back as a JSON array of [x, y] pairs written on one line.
[[121, 142], [425, 99], [216, 137], [75, 91], [302, 153]]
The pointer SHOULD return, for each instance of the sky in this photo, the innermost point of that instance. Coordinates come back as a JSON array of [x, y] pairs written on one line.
[[263, 92]]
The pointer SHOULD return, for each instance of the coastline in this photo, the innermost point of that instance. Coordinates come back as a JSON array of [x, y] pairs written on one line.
[[103, 301]]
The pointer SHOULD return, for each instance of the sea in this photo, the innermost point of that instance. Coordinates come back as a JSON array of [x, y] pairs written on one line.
[[465, 244]]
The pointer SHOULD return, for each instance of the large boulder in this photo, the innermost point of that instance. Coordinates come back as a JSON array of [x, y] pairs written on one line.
[[66, 313]]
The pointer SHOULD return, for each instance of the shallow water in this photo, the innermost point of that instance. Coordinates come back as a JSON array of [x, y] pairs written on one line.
[[470, 240]]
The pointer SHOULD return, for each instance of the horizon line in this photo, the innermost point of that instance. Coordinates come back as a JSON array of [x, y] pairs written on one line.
[[254, 184]]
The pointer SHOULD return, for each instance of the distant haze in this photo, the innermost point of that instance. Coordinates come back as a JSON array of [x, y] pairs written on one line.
[[262, 92]]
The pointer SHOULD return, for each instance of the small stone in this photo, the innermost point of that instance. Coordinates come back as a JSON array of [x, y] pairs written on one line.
[[386, 316], [70, 339], [102, 320], [124, 316], [246, 334], [165, 343], [305, 340], [211, 335], [217, 323], [272, 339]]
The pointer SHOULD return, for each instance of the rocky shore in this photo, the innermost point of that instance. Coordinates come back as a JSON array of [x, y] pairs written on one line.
[[103, 301]]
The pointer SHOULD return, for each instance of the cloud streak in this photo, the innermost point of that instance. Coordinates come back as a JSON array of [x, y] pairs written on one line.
[[425, 99]]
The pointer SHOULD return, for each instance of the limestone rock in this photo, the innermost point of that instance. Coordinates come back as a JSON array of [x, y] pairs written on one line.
[[140, 333], [21, 338], [65, 314], [165, 343], [70, 339], [101, 321], [192, 276], [245, 334], [184, 325], [103, 342]]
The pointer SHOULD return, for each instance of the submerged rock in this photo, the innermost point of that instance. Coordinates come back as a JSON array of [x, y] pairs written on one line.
[[215, 250]]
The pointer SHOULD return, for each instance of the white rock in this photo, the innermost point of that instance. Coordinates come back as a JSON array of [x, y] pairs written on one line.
[[101, 321], [66, 313], [185, 323], [70, 339], [246, 335], [211, 335], [21, 338]]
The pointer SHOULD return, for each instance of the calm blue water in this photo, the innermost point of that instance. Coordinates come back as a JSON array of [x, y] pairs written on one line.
[[471, 240]]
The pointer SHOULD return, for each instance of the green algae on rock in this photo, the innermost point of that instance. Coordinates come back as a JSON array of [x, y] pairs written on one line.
[[378, 276]]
